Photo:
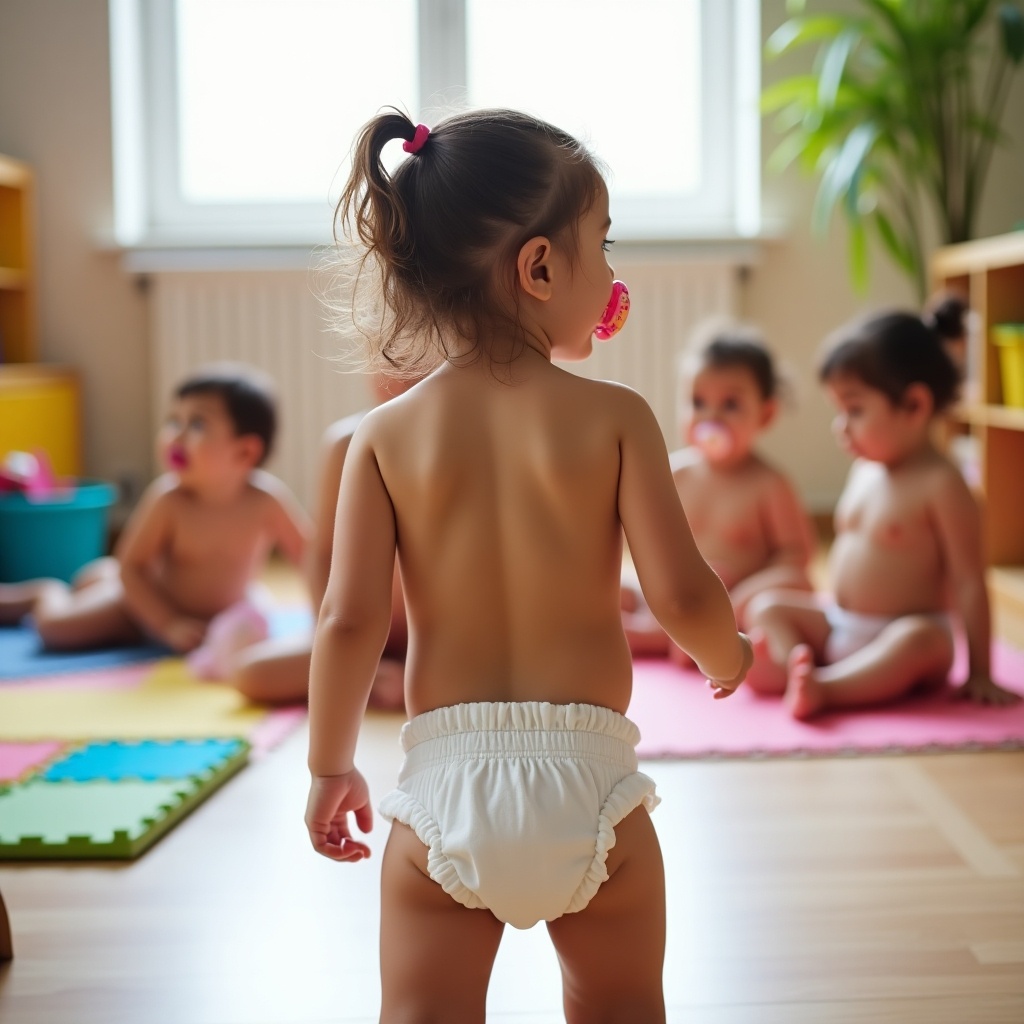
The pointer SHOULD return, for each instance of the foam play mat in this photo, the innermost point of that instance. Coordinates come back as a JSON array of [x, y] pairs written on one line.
[[102, 753], [108, 800], [678, 718], [22, 656]]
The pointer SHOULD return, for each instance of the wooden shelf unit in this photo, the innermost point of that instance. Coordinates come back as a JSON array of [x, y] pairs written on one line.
[[989, 274], [17, 293], [40, 404]]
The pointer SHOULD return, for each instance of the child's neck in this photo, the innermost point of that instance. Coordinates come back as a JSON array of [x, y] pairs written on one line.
[[218, 492], [734, 463], [921, 451]]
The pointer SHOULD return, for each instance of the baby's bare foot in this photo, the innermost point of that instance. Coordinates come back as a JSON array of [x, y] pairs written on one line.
[[804, 697], [765, 676]]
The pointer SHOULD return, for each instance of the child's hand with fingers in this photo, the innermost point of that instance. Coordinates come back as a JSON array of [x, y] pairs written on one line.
[[724, 687], [981, 689], [184, 634], [331, 799]]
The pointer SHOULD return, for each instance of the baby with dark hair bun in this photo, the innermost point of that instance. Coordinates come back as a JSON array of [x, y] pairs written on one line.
[[908, 548]]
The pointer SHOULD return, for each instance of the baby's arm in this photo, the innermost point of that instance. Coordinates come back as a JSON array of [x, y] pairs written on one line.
[[959, 527], [351, 632], [682, 590], [290, 526], [791, 542], [144, 539]]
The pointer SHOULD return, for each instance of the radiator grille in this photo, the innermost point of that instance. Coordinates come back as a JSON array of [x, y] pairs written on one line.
[[272, 320]]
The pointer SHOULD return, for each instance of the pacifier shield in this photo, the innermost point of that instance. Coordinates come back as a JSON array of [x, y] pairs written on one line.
[[712, 439], [615, 312]]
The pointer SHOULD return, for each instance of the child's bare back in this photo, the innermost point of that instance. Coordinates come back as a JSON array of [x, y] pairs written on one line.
[[528, 510]]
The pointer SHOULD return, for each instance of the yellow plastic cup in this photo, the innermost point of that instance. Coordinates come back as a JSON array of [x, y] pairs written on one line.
[[1009, 339]]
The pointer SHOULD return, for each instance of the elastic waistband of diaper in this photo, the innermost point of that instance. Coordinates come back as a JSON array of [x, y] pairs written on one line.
[[527, 725]]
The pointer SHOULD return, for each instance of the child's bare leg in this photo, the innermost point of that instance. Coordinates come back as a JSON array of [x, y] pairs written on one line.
[[911, 651], [436, 955], [18, 599], [274, 671], [780, 621], [782, 577], [93, 616], [96, 571], [612, 953]]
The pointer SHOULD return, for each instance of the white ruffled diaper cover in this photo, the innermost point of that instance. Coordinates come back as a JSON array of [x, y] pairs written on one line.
[[517, 803]]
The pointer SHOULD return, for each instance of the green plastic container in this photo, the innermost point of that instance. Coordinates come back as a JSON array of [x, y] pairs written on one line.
[[1009, 339], [54, 537]]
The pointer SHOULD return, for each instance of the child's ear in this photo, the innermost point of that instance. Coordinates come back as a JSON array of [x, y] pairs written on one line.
[[250, 449], [769, 410], [533, 268], [918, 401]]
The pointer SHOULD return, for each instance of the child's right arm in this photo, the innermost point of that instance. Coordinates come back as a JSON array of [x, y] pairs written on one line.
[[144, 538], [682, 590], [353, 626], [334, 446]]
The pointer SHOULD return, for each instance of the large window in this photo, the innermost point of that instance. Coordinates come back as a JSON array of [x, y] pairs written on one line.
[[233, 118]]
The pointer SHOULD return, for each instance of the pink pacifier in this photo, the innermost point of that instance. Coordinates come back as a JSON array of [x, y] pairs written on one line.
[[712, 439], [176, 458], [615, 312]]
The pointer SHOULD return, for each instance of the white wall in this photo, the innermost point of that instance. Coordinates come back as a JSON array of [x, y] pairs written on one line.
[[55, 114]]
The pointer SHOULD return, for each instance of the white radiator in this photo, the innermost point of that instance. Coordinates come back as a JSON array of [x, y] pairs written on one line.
[[272, 320]]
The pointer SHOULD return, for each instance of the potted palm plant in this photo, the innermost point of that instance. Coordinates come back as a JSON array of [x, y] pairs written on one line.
[[901, 112]]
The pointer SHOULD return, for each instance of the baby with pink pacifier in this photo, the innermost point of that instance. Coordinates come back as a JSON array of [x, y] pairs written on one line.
[[745, 514], [184, 567]]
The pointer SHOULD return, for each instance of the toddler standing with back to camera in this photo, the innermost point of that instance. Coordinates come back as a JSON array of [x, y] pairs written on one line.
[[907, 546], [504, 485], [745, 514]]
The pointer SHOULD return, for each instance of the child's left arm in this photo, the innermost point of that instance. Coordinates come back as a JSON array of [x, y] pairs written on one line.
[[789, 528], [791, 540], [290, 527], [959, 528]]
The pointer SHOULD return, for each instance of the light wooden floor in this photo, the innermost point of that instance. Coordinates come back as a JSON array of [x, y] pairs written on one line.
[[885, 890]]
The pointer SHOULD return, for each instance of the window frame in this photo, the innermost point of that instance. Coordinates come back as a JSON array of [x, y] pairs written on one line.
[[149, 209]]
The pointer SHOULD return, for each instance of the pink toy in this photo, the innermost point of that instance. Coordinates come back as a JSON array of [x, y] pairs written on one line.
[[234, 629], [712, 439], [615, 312], [31, 474]]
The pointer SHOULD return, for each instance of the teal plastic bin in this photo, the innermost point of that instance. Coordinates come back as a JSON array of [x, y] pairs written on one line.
[[54, 537]]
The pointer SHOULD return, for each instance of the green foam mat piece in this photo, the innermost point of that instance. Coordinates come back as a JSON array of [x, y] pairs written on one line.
[[100, 819]]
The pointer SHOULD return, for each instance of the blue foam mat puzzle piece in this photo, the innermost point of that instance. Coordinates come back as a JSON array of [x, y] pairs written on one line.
[[22, 656], [104, 818], [147, 760]]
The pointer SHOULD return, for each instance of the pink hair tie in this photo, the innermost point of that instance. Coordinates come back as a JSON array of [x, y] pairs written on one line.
[[415, 144]]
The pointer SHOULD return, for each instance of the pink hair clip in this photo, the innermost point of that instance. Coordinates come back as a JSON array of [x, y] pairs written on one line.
[[415, 144]]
